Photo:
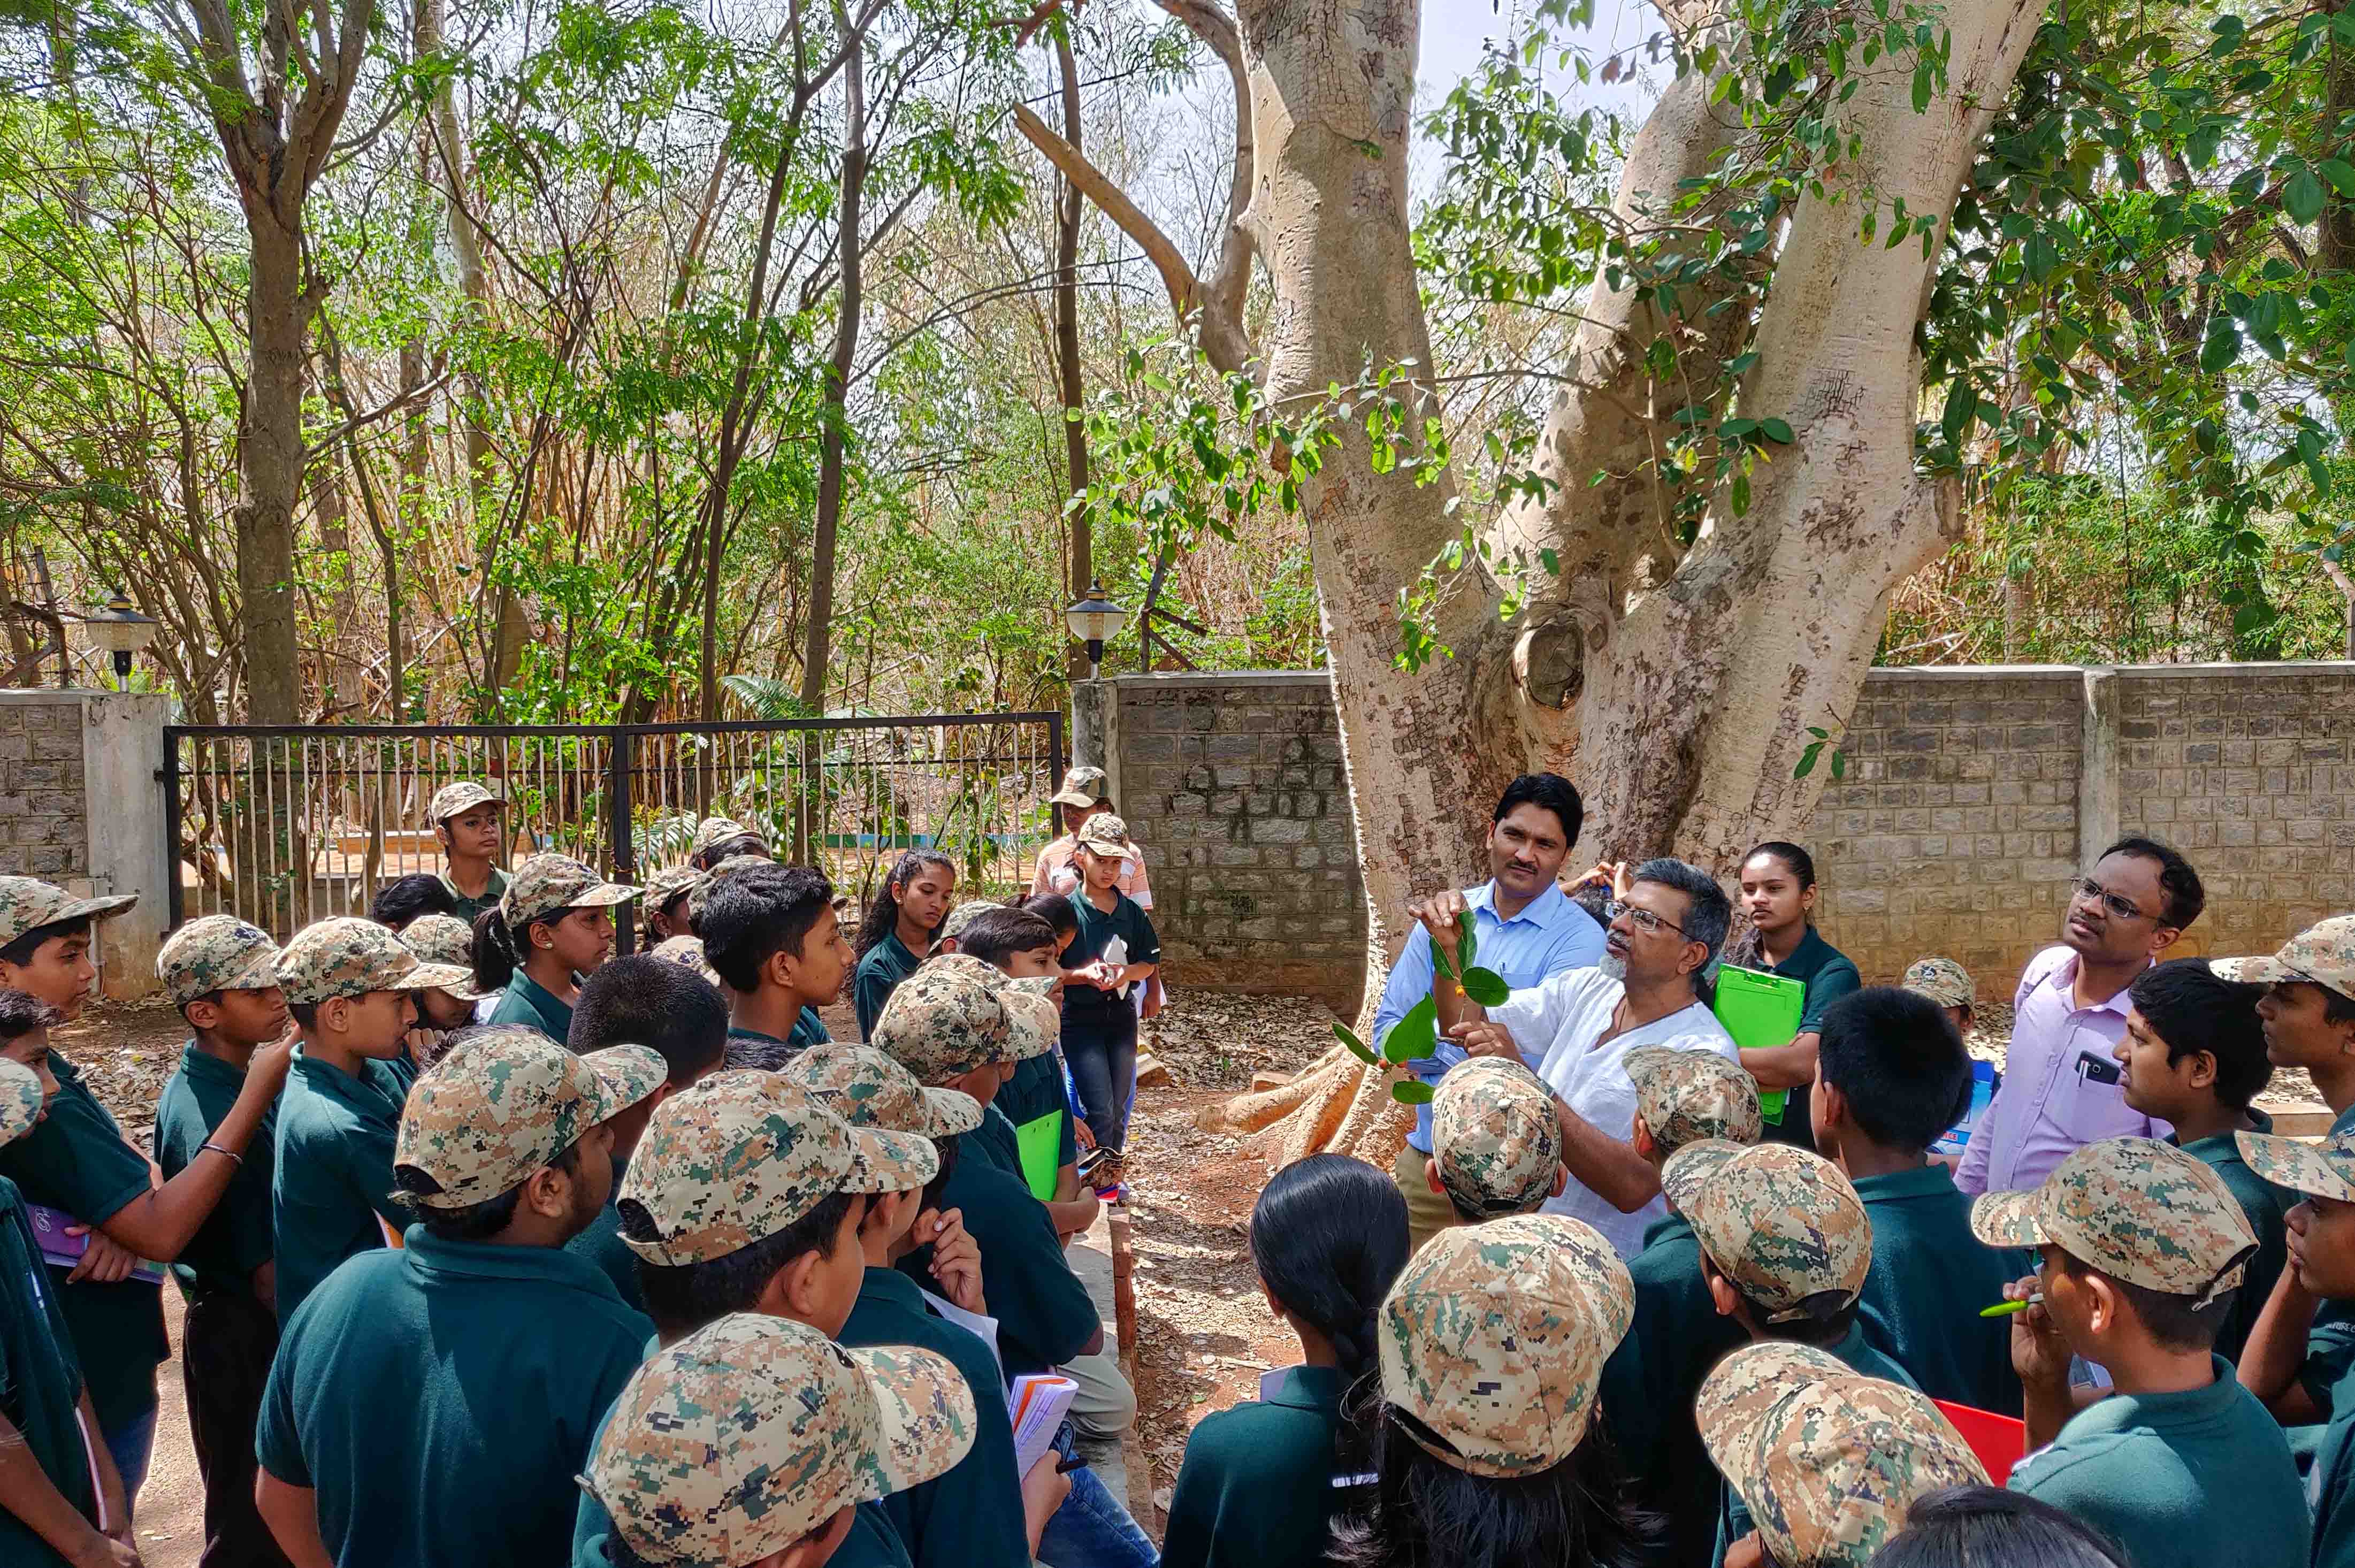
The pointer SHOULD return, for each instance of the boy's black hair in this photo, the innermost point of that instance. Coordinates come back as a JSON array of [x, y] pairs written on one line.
[[751, 915], [2193, 1007], [304, 1013], [1055, 908], [1548, 791], [20, 951], [21, 1013], [2168, 1317], [683, 1297], [645, 1000], [2185, 897], [477, 1221], [2338, 1007], [947, 1149], [996, 935], [1899, 1063], [405, 899], [1991, 1526]]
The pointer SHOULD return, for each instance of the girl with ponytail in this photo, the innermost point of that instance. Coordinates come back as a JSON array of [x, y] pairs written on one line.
[[550, 929], [1263, 1482], [897, 933]]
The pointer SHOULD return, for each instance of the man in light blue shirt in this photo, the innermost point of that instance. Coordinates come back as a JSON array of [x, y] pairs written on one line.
[[1525, 930]]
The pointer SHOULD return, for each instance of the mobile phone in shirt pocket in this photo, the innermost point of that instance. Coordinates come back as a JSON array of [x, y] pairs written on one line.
[[2093, 1106]]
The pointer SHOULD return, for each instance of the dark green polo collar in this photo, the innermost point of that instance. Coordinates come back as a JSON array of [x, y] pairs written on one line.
[[1897, 1186], [429, 1254], [555, 1018], [1318, 1388], [1671, 1229], [2222, 1147], [202, 1067], [330, 1082]]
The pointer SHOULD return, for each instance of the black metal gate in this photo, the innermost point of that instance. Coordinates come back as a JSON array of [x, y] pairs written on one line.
[[285, 825]]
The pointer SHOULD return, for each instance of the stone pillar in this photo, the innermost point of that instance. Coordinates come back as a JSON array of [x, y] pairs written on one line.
[[1090, 719], [2099, 799]]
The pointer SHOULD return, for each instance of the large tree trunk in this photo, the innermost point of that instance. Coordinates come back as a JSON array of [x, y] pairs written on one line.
[[835, 434], [1068, 208], [271, 458]]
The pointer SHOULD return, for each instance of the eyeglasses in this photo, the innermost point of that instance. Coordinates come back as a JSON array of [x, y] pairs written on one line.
[[2118, 904], [1644, 919]]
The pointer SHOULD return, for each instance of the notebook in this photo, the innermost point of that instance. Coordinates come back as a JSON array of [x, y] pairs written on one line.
[[1038, 1402], [1760, 1011], [61, 1250]]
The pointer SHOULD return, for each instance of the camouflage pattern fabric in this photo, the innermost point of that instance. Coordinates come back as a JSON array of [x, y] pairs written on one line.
[[1829, 1463], [1942, 980], [2324, 1169], [868, 1089], [753, 1432], [455, 799], [349, 956], [2324, 953], [944, 1019], [1690, 1165], [716, 830], [700, 893], [1687, 1091], [1081, 787], [687, 952], [20, 1100], [546, 883], [2137, 1210], [630, 1074], [1785, 1225], [1104, 833], [448, 942], [1495, 1139], [963, 916], [505, 1100], [1494, 1337], [219, 952], [668, 883], [27, 904]]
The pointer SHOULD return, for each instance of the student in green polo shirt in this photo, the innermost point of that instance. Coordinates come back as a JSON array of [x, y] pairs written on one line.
[[900, 927], [1778, 893], [1263, 1481], [771, 935], [1099, 1022], [979, 1512], [719, 838], [51, 1479], [2322, 1263], [1891, 1076], [471, 824], [553, 926], [746, 1196], [663, 906], [77, 1165], [642, 1003], [2193, 1056], [434, 1404], [1024, 944], [442, 1010], [798, 1438], [1495, 1142], [348, 983], [1682, 1098], [222, 973], [2142, 1246]]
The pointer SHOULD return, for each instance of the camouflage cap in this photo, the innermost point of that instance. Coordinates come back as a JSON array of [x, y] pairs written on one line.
[[2324, 1169], [27, 904], [668, 883], [505, 1100], [1784, 1226], [716, 830], [1690, 1165], [1685, 1092], [700, 893], [546, 883], [349, 956], [754, 1431], [2324, 953], [448, 942], [219, 952], [455, 799], [868, 1089], [687, 952], [20, 1099], [944, 1019], [963, 916], [744, 1154], [1942, 980], [1080, 786], [1494, 1337], [2136, 1208], [630, 1074], [1829, 1463], [1036, 1022], [1494, 1141], [1104, 833]]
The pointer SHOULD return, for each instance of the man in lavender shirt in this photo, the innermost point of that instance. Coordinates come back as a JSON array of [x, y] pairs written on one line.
[[2060, 1083]]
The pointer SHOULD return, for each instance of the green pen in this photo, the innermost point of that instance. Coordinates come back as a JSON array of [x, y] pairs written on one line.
[[2006, 1308]]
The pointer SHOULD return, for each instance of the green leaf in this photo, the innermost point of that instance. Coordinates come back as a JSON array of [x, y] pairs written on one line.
[[1485, 987], [1840, 764], [1358, 1048], [1415, 1036], [1411, 1092], [1467, 940], [1776, 431], [1808, 760], [2303, 197], [2220, 347], [2340, 173]]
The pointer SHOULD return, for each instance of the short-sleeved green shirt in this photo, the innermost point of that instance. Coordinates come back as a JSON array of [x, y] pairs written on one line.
[[881, 969], [1258, 1488], [869, 1544], [40, 1381], [240, 1235], [2198, 1479], [74, 1160], [1828, 973], [1125, 920], [1034, 1092], [1651, 1381], [601, 1244], [331, 1195], [1861, 1355], [751, 1048], [1929, 1277], [971, 1515], [2267, 1207], [439, 1400], [2330, 1487], [468, 908], [1044, 1314], [526, 1001]]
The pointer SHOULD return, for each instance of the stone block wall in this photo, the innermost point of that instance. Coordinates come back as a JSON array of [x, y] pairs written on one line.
[[44, 808]]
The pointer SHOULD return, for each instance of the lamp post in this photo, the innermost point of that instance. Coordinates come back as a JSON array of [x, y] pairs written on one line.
[[122, 631], [1095, 620]]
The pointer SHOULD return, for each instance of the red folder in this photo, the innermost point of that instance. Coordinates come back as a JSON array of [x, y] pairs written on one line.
[[1998, 1440]]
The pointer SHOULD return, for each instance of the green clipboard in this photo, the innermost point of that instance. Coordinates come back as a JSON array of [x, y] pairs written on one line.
[[1040, 1141], [1760, 1011]]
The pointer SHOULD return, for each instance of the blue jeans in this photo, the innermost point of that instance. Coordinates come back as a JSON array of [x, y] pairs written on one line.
[[132, 1443], [1092, 1530], [1102, 1056]]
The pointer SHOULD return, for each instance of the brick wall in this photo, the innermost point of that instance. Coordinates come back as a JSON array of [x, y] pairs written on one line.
[[44, 811], [1970, 796]]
